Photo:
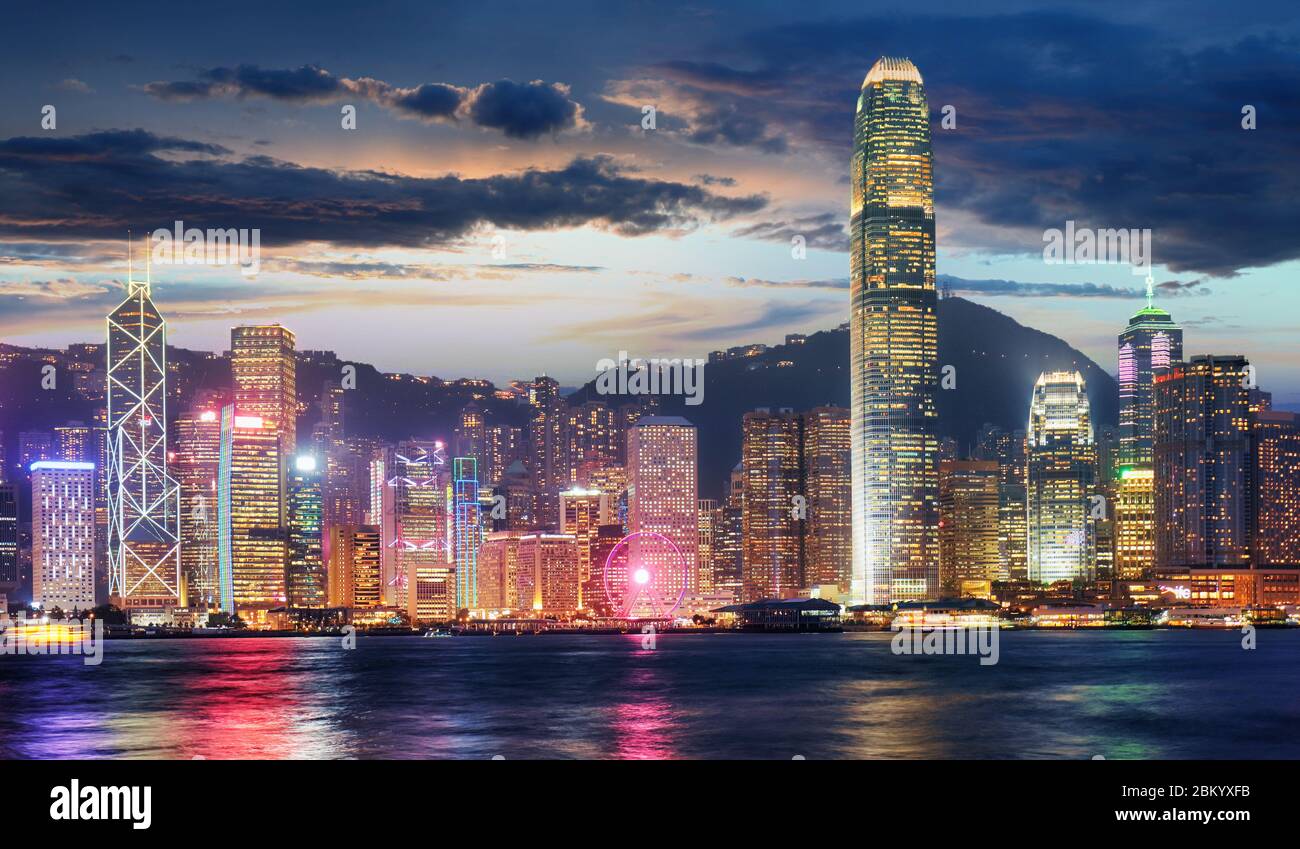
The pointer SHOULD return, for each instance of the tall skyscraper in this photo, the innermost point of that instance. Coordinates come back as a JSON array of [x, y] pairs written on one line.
[[143, 500], [1061, 460], [264, 371], [728, 537], [582, 512], [196, 465], [471, 434], [63, 535], [467, 530], [411, 500], [1135, 507], [1276, 489], [9, 578], [590, 433], [498, 570], [1007, 448], [772, 462], [893, 340], [968, 525], [546, 438], [305, 577], [828, 531], [75, 442], [708, 514], [251, 517], [663, 495], [1147, 347], [1202, 463]]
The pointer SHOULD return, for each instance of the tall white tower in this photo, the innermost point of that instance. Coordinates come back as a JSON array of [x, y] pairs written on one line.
[[143, 499]]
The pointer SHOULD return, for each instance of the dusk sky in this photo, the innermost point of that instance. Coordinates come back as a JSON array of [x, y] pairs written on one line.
[[517, 127]]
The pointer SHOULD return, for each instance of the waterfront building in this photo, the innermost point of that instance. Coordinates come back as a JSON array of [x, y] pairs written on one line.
[[1134, 523], [828, 530], [1203, 463], [663, 497], [264, 370], [773, 517], [143, 500], [546, 573], [1061, 463], [305, 575], [354, 567], [968, 524], [411, 500], [894, 340], [251, 517], [1276, 489], [63, 535], [196, 466]]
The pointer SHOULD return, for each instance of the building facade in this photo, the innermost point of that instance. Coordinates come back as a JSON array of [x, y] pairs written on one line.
[[893, 330], [1060, 482]]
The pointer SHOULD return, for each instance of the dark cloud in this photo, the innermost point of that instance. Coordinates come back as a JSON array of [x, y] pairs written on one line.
[[523, 110], [711, 180], [98, 185], [519, 110]]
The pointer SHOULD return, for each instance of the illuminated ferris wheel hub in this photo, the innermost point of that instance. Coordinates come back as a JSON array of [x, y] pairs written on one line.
[[644, 577]]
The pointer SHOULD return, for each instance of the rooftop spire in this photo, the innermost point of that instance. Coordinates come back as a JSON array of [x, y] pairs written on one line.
[[1151, 290], [133, 286]]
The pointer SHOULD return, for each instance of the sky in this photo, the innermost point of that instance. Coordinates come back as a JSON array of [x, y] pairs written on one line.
[[500, 211]]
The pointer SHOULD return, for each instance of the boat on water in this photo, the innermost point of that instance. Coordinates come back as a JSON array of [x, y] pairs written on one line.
[[437, 632]]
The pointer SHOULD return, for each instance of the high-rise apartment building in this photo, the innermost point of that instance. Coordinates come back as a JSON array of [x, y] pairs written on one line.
[[828, 531], [582, 512], [1007, 448], [775, 507], [1276, 489], [1203, 463], [546, 573], [498, 567], [9, 577]]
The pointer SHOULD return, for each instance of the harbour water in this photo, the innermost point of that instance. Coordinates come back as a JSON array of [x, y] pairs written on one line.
[[1076, 695]]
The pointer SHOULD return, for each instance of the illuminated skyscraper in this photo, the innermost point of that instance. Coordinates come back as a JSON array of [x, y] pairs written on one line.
[[545, 434], [772, 462], [251, 517], [411, 499], [708, 514], [264, 371], [663, 495], [546, 577], [893, 340], [75, 442], [63, 535], [1061, 459], [582, 512], [498, 568], [143, 499], [590, 432], [1134, 523], [196, 464], [504, 445], [305, 574], [471, 435], [1007, 448], [354, 566], [828, 532], [968, 525], [1147, 347], [9, 579], [1202, 463], [1276, 489], [467, 530]]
